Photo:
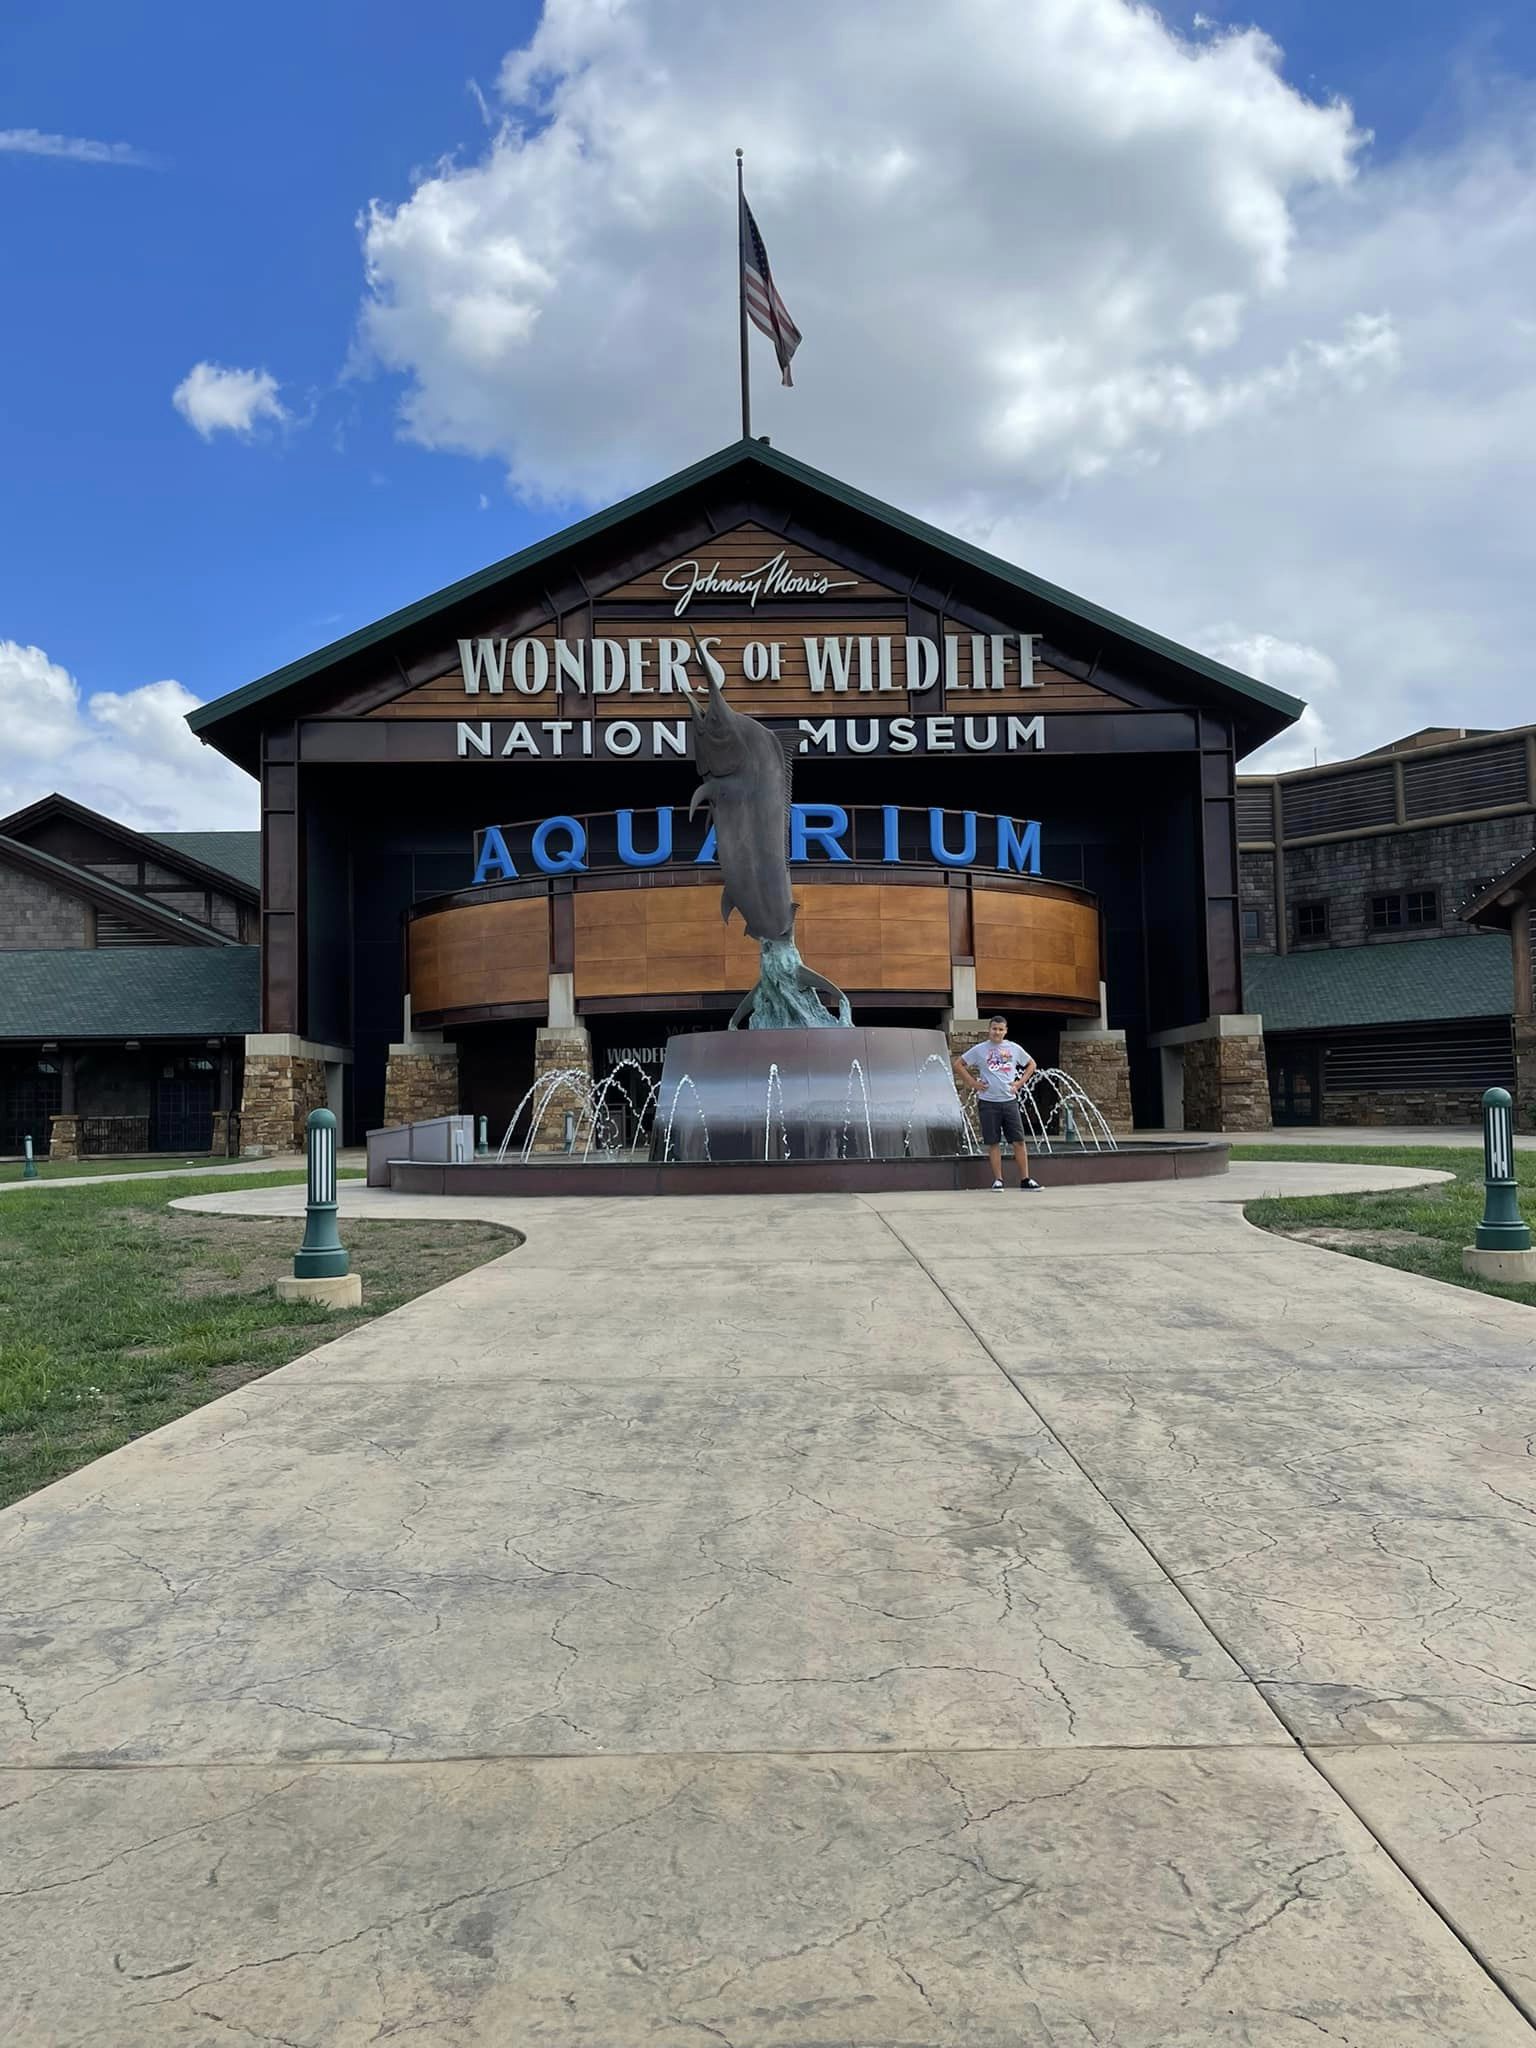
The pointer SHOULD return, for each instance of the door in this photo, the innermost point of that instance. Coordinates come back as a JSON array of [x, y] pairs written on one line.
[[182, 1120], [1295, 1095], [31, 1092]]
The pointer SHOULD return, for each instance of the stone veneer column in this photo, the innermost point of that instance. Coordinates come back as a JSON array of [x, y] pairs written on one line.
[[1525, 1070], [1097, 1060], [420, 1081], [556, 1046], [284, 1081], [1226, 1075], [963, 1033], [64, 1137]]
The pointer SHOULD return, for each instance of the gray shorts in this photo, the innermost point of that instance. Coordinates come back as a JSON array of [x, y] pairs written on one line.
[[1000, 1120]]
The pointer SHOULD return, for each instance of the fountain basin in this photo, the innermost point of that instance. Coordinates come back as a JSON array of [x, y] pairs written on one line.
[[605, 1178], [860, 1092]]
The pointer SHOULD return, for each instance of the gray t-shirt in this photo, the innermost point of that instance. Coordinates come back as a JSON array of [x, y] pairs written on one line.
[[999, 1066]]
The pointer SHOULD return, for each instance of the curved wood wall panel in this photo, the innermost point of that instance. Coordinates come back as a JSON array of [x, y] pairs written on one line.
[[1035, 945], [480, 954], [652, 942]]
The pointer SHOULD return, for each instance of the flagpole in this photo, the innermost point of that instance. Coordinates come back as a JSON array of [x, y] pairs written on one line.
[[741, 293]]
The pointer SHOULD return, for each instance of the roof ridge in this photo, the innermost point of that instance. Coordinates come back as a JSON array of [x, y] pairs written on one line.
[[91, 884], [211, 714], [127, 833]]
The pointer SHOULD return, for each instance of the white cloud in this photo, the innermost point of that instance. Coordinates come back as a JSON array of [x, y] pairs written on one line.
[[78, 149], [1127, 307], [1304, 672], [216, 400], [126, 753]]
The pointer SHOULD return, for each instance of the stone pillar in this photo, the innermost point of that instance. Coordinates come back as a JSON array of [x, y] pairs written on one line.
[[220, 1142], [963, 1033], [1525, 1070], [1226, 1076], [421, 1081], [1097, 1060], [284, 1081], [556, 1046], [64, 1129]]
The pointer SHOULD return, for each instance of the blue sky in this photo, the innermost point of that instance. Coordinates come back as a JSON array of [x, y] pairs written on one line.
[[132, 549]]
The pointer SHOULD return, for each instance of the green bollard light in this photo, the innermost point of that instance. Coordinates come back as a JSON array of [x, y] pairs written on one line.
[[321, 1256], [1502, 1229], [29, 1167]]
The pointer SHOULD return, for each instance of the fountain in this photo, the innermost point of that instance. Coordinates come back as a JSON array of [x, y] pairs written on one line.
[[775, 1104]]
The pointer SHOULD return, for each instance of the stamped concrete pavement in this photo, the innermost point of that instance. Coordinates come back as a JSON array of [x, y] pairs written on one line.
[[925, 1619]]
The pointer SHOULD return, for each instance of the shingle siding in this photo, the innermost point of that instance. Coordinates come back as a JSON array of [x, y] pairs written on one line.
[[37, 915]]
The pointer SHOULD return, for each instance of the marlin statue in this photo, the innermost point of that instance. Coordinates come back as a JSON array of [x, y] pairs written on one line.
[[746, 786]]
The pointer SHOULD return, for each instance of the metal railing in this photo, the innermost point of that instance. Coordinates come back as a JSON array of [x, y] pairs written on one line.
[[117, 1137]]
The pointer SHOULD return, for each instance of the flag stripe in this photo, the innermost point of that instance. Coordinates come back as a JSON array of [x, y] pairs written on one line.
[[765, 309]]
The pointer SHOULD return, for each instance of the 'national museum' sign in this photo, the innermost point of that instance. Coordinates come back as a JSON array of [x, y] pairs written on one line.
[[659, 739]]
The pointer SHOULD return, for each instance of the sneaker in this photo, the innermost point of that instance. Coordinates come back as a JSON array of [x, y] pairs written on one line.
[[997, 1187], [1026, 1187]]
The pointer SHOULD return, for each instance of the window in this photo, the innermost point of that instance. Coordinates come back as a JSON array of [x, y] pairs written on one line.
[[1386, 913], [1311, 920], [1415, 908], [1250, 927]]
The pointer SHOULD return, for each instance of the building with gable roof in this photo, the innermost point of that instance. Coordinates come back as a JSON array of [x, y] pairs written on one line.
[[478, 864], [129, 980]]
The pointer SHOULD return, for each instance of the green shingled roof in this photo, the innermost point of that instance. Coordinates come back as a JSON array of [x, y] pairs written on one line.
[[1404, 982], [1269, 710], [236, 854], [131, 992]]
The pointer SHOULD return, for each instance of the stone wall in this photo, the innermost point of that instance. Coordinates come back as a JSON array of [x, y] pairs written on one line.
[[1226, 1085], [554, 1047], [1525, 1071], [420, 1082], [1256, 886], [1346, 873], [1098, 1062], [1403, 1107], [64, 1137], [37, 917], [280, 1090]]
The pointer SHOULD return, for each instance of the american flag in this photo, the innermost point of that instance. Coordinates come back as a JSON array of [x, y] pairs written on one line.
[[765, 308]]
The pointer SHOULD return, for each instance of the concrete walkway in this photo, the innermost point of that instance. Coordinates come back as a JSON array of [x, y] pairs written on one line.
[[975, 1620]]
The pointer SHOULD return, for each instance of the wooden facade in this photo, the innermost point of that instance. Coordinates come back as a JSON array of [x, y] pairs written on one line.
[[378, 763], [660, 941]]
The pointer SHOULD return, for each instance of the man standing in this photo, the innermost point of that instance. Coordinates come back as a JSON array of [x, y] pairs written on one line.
[[997, 1070]]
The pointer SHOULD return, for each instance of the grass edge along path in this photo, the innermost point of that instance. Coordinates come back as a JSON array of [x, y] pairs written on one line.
[[102, 1165], [118, 1314], [1437, 1221]]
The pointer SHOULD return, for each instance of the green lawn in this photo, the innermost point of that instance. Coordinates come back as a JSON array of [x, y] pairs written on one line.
[[118, 1314], [1420, 1230], [72, 1169]]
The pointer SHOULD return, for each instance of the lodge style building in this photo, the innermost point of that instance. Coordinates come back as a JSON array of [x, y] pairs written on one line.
[[475, 861], [1389, 987]]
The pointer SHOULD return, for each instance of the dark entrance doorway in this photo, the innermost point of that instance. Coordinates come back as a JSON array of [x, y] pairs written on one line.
[[1295, 1093], [31, 1094], [181, 1115]]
